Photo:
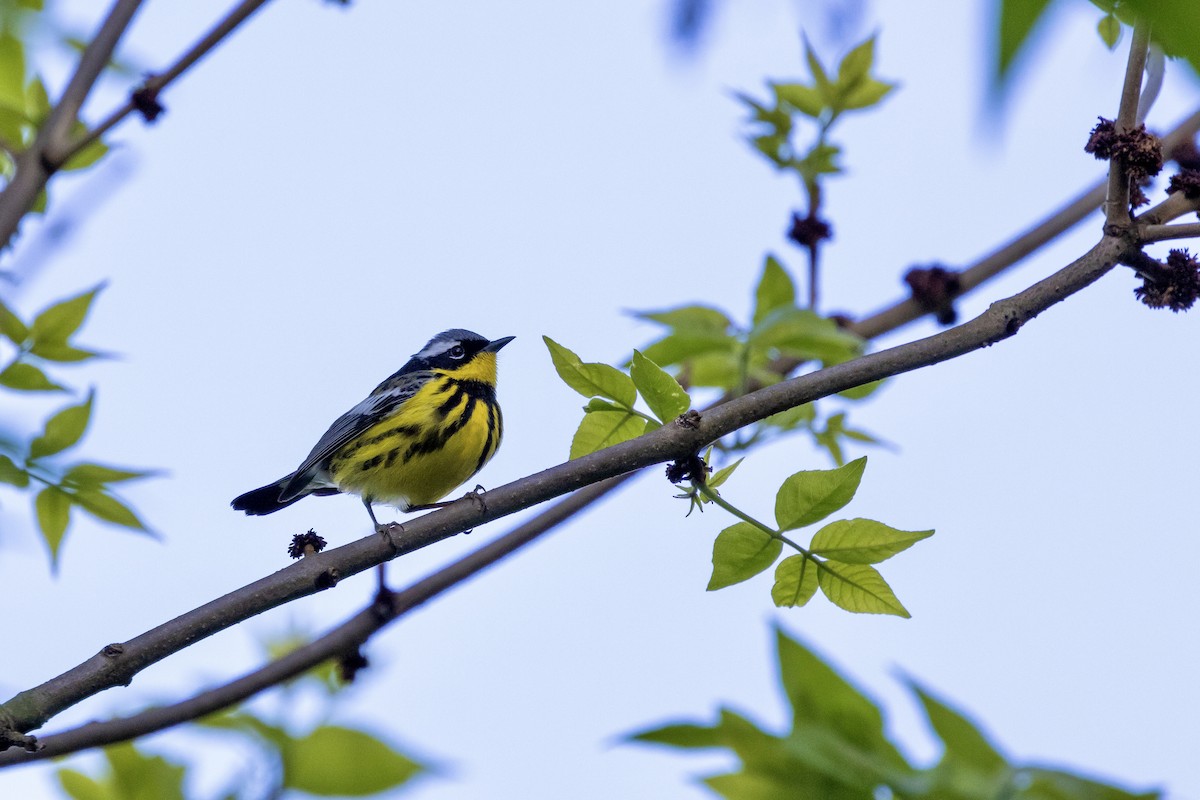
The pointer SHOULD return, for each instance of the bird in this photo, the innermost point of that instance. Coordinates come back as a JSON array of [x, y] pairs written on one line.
[[420, 434]]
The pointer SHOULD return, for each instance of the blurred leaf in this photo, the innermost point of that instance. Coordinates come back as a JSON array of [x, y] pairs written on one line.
[[775, 290], [135, 775], [680, 734], [863, 541], [756, 786], [1051, 784], [600, 429], [740, 552], [12, 71], [37, 102], [63, 429], [11, 474], [11, 325], [591, 379], [57, 351], [821, 696], [57, 323], [801, 333], [661, 391], [89, 155], [720, 476], [859, 588], [795, 581], [81, 787], [675, 348], [963, 740], [245, 722], [1017, 21], [811, 495], [805, 99], [1173, 25], [1109, 29], [866, 94], [820, 160], [863, 392], [824, 85], [342, 761], [27, 378], [53, 507], [108, 508], [690, 318], [792, 417], [89, 474], [720, 370]]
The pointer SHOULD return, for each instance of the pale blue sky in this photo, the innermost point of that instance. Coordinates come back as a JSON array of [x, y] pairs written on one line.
[[334, 186]]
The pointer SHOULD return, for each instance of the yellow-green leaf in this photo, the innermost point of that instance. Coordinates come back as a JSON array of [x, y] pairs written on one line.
[[11, 325], [775, 290], [795, 581], [696, 319], [740, 552], [810, 496], [53, 508], [590, 379], [1109, 29], [859, 588], [63, 429], [600, 429], [58, 322], [27, 378], [720, 476], [108, 508], [88, 474], [12, 71], [863, 541], [333, 760], [659, 389], [11, 474]]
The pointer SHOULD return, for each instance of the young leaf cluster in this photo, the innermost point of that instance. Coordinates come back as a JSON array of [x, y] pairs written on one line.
[[710, 350], [839, 558], [36, 465], [610, 416], [821, 99], [836, 749], [325, 760]]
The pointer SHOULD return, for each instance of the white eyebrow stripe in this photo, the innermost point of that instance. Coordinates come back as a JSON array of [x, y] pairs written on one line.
[[436, 348]]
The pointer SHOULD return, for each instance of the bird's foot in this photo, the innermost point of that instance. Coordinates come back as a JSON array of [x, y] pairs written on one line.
[[388, 531]]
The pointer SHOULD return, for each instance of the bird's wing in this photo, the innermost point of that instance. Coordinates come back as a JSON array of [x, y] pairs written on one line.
[[379, 405]]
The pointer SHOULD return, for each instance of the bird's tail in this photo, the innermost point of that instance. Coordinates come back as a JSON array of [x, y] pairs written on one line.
[[265, 499]]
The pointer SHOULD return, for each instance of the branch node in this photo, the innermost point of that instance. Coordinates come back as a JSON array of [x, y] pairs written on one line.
[[809, 231], [691, 469], [1174, 285], [934, 289], [327, 579], [113, 650], [350, 664], [144, 99], [11, 738], [690, 419]]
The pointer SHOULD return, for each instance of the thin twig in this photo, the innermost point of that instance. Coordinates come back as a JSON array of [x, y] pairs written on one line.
[[156, 83], [1162, 233], [1116, 207]]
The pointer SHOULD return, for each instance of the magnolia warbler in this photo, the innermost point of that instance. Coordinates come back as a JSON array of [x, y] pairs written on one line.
[[424, 431]]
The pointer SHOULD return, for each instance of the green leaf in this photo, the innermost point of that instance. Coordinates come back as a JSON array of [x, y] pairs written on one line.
[[93, 475], [37, 102], [27, 378], [775, 290], [792, 418], [856, 64], [58, 351], [135, 775], [12, 71], [660, 390], [1109, 29], [1017, 20], [720, 476], [89, 155], [107, 508], [63, 429], [600, 429], [795, 581], [11, 474], [11, 325], [591, 379], [680, 734], [859, 588], [57, 323], [690, 318], [863, 541], [721, 370], [1173, 25], [53, 507], [964, 742], [820, 160], [824, 85], [81, 787], [821, 697], [867, 93], [758, 786], [333, 760], [864, 391], [805, 99], [1050, 784], [801, 333], [811, 495], [676, 348], [740, 552]]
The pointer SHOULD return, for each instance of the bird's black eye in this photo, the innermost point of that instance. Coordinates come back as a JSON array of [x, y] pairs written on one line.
[[457, 351]]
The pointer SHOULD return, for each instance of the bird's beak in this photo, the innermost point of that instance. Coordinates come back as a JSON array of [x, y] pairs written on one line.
[[495, 345]]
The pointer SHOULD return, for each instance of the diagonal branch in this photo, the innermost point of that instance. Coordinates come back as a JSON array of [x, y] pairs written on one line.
[[1116, 207], [118, 664]]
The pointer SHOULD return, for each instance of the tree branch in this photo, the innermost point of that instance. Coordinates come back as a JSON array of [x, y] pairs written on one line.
[[35, 165], [1116, 207], [1161, 233], [118, 664], [156, 83]]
